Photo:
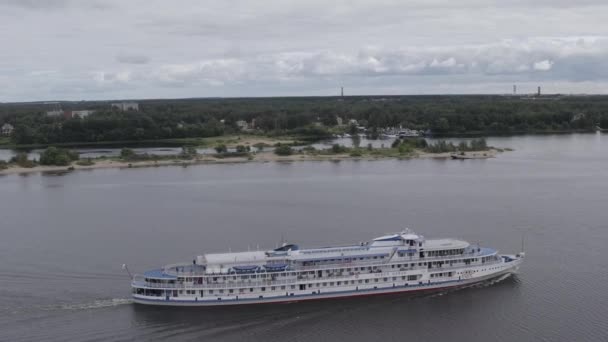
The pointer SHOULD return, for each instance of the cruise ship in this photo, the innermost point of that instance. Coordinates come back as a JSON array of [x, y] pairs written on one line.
[[395, 263]]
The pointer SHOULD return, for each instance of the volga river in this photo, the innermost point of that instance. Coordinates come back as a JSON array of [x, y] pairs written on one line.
[[63, 240]]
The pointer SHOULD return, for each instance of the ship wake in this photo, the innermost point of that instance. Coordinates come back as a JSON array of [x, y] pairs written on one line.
[[97, 304]]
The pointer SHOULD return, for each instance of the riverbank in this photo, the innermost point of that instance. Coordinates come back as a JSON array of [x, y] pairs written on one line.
[[229, 140], [259, 157]]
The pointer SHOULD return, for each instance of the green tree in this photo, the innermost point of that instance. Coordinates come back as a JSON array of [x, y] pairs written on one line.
[[221, 148], [127, 154], [22, 160], [337, 148], [188, 152], [57, 156], [283, 150]]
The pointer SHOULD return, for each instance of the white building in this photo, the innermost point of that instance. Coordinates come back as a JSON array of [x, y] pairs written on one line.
[[242, 125], [7, 129], [126, 106], [82, 113]]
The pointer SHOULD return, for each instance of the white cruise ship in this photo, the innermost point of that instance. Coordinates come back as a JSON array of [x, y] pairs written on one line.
[[402, 262]]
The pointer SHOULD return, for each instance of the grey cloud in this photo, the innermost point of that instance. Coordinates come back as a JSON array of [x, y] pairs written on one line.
[[54, 4], [132, 59], [72, 49]]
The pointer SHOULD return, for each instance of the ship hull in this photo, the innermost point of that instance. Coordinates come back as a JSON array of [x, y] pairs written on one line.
[[425, 287]]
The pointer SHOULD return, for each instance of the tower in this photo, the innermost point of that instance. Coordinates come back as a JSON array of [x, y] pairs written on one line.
[[514, 89], [538, 94], [342, 91]]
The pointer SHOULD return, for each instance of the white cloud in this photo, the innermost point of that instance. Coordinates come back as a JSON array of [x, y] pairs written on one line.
[[543, 65]]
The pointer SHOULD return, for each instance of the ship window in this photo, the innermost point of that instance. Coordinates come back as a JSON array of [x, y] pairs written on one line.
[[251, 289], [366, 281], [263, 289]]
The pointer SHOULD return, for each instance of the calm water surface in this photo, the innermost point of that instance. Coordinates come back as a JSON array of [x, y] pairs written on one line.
[[63, 239]]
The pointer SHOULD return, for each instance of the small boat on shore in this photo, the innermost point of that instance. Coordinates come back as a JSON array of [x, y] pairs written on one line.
[[470, 156]]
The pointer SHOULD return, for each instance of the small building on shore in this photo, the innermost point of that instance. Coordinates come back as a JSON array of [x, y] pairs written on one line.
[[126, 106], [242, 125], [7, 129], [82, 113]]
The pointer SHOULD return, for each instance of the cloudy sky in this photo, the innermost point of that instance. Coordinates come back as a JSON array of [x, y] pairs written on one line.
[[108, 49]]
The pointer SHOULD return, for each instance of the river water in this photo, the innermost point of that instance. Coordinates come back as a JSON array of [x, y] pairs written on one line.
[[63, 240]]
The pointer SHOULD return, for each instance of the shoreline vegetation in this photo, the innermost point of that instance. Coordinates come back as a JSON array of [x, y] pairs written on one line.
[[59, 160], [195, 121]]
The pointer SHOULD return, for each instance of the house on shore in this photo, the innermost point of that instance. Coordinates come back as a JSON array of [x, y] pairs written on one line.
[[7, 129]]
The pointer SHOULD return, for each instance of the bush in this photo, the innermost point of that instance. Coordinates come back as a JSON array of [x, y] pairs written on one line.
[[260, 146], [21, 160], [127, 154], [309, 149], [241, 149], [396, 143], [221, 148], [3, 165], [57, 156], [356, 153], [440, 147], [337, 148], [283, 150], [405, 148], [188, 152]]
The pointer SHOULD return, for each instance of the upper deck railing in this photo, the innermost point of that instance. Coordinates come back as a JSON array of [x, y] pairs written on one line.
[[191, 270], [293, 280]]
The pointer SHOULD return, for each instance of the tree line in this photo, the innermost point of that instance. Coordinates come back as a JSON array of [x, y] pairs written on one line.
[[306, 116]]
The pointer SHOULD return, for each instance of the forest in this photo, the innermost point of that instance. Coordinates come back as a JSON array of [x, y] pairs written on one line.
[[441, 115]]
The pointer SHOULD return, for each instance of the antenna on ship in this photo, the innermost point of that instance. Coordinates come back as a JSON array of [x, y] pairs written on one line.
[[523, 241]]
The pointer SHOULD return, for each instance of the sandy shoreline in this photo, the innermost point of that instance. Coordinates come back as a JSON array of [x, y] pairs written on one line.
[[259, 157]]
